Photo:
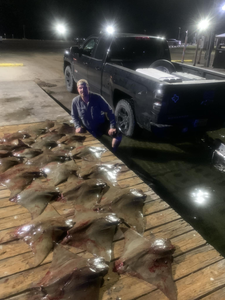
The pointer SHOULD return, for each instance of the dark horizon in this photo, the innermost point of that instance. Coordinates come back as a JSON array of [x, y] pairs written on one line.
[[36, 19]]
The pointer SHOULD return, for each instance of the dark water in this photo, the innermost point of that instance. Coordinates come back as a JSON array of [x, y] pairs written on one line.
[[187, 174]]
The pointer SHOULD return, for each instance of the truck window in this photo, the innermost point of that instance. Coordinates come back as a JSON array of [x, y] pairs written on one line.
[[90, 46], [142, 51], [102, 48]]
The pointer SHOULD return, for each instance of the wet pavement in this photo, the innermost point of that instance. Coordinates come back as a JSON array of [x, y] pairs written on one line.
[[183, 174]]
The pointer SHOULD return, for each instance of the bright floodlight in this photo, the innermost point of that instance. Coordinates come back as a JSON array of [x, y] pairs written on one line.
[[203, 24], [61, 28], [110, 29], [223, 7]]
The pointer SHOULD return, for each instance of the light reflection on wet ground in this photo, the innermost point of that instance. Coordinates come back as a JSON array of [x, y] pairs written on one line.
[[185, 174]]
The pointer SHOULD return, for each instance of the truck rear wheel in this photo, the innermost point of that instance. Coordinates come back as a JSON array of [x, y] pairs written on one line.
[[125, 118], [70, 83]]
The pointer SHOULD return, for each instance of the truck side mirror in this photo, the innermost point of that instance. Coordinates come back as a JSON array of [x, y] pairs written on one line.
[[74, 50]]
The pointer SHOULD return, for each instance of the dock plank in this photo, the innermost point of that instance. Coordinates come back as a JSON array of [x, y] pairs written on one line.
[[2, 187], [21, 281], [13, 221], [170, 230], [198, 269], [7, 249], [4, 202], [155, 206], [180, 243], [13, 210], [200, 257], [144, 187], [217, 295], [129, 182], [4, 193], [197, 284], [92, 143], [13, 248], [130, 288], [27, 259], [15, 128], [161, 217]]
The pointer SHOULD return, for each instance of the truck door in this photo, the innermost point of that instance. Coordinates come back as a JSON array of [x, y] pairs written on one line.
[[96, 64], [81, 61]]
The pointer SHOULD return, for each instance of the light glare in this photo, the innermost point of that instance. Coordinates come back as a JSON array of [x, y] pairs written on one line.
[[61, 28], [110, 29], [203, 24], [200, 196]]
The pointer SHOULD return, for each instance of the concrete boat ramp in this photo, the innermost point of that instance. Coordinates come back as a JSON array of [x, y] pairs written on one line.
[[25, 102]]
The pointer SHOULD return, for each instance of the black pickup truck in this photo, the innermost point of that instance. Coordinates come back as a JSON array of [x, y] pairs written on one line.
[[135, 75]]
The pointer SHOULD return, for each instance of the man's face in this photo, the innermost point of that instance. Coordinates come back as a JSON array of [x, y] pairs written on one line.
[[83, 90]]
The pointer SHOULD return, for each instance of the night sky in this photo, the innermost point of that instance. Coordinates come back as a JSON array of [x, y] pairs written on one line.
[[85, 17]]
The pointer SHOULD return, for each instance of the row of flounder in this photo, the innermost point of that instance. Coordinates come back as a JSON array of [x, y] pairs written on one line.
[[33, 162]]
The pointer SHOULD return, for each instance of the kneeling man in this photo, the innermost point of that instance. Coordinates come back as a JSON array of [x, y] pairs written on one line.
[[90, 111]]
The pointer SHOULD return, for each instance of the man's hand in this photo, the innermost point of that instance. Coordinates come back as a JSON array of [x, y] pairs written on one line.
[[112, 131], [80, 130]]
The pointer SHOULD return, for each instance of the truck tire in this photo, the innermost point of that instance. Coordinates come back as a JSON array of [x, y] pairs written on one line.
[[163, 65], [70, 83], [125, 118]]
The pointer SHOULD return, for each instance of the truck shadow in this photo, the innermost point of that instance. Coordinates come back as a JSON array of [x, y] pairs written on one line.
[[191, 149]]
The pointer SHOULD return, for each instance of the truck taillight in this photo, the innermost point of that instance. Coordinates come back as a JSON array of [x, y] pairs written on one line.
[[157, 106], [158, 97], [158, 94]]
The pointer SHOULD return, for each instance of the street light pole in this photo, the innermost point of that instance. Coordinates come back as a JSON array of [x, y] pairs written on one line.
[[179, 29], [209, 50], [196, 51], [185, 45], [211, 36], [202, 26]]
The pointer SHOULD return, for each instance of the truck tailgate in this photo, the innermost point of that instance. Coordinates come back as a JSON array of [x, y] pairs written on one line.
[[194, 99]]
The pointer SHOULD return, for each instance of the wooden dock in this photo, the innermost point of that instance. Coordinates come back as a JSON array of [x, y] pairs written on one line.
[[198, 269]]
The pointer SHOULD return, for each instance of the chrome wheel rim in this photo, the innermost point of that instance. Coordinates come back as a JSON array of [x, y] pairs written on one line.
[[123, 120]]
